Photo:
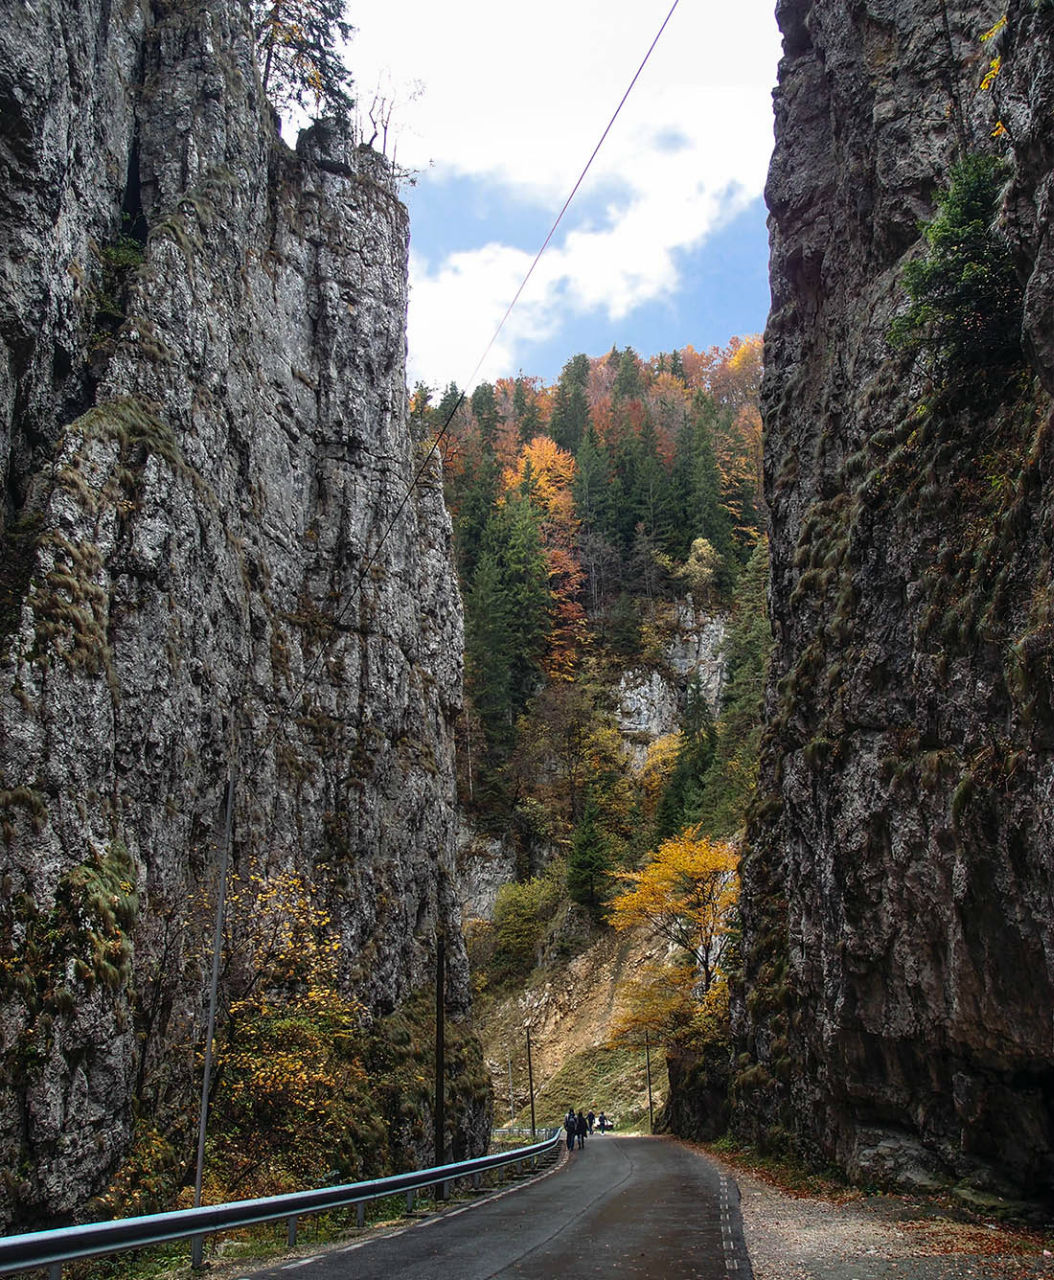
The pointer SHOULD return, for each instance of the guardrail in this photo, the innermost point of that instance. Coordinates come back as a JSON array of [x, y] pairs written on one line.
[[52, 1249]]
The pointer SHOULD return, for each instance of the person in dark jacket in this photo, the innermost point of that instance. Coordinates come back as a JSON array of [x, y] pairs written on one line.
[[581, 1129], [571, 1128], [590, 1120]]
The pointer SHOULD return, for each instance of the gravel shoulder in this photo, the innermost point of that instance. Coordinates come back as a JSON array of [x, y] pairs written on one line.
[[850, 1236]]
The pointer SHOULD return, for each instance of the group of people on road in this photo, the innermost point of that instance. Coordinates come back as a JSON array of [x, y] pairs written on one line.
[[577, 1126]]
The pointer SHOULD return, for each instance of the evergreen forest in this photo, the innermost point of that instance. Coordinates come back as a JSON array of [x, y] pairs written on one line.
[[594, 522]]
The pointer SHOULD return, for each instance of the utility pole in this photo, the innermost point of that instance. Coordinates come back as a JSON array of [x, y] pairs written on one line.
[[197, 1245], [530, 1075], [440, 1099], [512, 1105], [647, 1059]]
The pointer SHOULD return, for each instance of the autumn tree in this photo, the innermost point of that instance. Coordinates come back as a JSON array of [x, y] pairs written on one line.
[[298, 52], [685, 895], [699, 572], [544, 476], [286, 1056], [557, 741]]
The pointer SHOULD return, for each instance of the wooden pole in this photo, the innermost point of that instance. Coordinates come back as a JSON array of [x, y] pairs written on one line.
[[530, 1077], [440, 1099], [647, 1059]]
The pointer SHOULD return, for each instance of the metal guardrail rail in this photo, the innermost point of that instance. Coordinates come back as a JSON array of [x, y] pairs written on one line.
[[38, 1250]]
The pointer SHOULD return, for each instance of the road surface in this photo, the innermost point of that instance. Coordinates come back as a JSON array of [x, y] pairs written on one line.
[[645, 1208]]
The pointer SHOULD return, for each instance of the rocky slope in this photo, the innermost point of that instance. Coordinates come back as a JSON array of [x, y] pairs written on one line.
[[212, 561], [899, 904]]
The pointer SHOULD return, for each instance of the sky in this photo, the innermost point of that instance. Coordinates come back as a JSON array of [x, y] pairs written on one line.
[[495, 109]]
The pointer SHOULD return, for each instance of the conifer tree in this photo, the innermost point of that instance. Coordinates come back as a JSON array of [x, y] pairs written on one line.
[[569, 419], [592, 483], [684, 790], [589, 861], [628, 379], [485, 407]]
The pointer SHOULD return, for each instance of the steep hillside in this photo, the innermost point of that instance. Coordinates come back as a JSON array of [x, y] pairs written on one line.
[[572, 1006], [898, 896], [210, 569]]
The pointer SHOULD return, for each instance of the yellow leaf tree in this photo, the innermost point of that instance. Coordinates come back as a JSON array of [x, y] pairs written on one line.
[[685, 895]]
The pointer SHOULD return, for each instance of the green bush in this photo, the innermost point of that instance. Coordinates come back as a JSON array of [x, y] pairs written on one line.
[[966, 299], [522, 913]]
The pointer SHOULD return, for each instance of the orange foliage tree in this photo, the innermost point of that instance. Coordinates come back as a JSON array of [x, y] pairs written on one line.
[[662, 1000], [685, 895], [545, 473]]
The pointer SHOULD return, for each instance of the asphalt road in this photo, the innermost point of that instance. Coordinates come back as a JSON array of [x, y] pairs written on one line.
[[642, 1207]]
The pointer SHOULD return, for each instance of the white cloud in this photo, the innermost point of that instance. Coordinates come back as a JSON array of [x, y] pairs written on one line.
[[518, 96]]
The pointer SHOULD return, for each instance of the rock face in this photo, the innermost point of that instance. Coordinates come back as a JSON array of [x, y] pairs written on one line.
[[899, 885], [651, 702], [213, 560]]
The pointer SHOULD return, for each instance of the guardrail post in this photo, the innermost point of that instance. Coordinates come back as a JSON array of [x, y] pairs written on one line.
[[410, 1201], [360, 1214], [477, 1178], [197, 1252], [55, 1271], [292, 1230]]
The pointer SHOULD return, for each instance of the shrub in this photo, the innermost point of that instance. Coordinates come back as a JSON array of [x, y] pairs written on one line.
[[966, 299]]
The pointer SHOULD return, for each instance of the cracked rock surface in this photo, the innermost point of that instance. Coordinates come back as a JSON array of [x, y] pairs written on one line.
[[213, 559], [898, 904]]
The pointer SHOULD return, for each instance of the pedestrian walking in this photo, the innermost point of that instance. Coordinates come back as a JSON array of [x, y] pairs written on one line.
[[590, 1119], [571, 1128], [581, 1128]]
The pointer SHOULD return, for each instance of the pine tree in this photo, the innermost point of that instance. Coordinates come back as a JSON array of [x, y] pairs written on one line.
[[592, 483], [526, 411], [569, 419], [589, 861], [485, 407], [488, 648], [627, 380], [476, 502], [683, 792]]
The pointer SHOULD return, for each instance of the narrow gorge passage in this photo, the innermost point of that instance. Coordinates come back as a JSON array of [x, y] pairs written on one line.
[[642, 1207]]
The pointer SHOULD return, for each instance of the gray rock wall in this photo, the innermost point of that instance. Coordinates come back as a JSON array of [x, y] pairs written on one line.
[[212, 559], [898, 887], [651, 701]]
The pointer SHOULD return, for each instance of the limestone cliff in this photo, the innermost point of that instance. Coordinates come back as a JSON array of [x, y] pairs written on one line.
[[212, 559], [899, 886]]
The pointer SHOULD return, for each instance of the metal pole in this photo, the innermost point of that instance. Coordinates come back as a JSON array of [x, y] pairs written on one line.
[[647, 1059], [512, 1106], [530, 1076], [440, 1100], [197, 1246]]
